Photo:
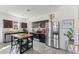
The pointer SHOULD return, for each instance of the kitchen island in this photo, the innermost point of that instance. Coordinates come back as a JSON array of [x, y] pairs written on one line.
[[21, 42]]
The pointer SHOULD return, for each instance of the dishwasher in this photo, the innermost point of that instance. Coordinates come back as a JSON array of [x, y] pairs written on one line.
[[7, 38]]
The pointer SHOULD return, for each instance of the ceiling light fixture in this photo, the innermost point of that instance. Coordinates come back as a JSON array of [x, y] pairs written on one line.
[[51, 16], [28, 10]]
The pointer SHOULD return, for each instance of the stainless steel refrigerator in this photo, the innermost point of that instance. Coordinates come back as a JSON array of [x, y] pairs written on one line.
[[53, 40]]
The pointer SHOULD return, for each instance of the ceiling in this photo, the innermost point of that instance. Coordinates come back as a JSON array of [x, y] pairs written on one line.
[[33, 10]]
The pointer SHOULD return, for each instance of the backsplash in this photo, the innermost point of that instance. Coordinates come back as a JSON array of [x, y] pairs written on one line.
[[11, 30]]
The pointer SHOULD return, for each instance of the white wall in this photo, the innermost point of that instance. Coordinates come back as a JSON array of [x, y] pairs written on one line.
[[76, 31], [36, 18], [64, 12]]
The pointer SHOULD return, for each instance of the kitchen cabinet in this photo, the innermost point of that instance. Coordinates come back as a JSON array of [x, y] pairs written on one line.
[[7, 38], [40, 24], [23, 25], [7, 24], [41, 27], [15, 25]]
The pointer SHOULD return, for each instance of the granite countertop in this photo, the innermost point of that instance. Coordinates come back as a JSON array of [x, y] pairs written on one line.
[[11, 31]]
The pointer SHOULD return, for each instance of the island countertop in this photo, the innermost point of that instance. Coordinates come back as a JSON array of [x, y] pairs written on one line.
[[22, 35]]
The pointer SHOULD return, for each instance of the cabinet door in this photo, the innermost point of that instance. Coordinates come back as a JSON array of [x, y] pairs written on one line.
[[36, 24], [7, 24], [10, 24], [42, 24], [8, 38], [24, 25]]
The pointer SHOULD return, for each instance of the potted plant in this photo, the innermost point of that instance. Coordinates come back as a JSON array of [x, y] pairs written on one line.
[[69, 34]]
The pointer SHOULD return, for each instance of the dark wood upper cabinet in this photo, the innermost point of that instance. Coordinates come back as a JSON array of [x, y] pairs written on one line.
[[23, 25], [39, 24], [7, 24]]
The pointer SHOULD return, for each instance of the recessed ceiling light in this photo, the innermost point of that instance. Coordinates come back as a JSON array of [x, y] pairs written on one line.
[[28, 10]]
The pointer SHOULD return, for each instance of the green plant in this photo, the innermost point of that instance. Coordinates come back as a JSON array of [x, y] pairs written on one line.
[[69, 33]]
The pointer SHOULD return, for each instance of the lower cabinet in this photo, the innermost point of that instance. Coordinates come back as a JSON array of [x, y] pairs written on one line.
[[42, 38], [7, 38]]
